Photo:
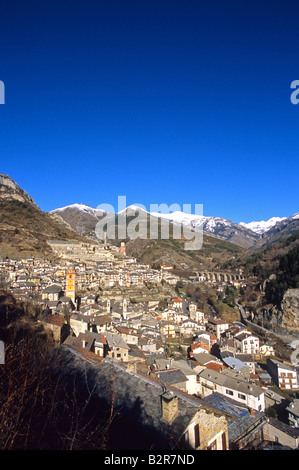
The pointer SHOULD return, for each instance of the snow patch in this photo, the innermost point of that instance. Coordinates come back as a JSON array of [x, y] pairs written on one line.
[[263, 225]]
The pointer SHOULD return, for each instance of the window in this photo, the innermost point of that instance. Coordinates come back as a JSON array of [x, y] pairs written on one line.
[[241, 396], [196, 436], [213, 446], [223, 441], [229, 392]]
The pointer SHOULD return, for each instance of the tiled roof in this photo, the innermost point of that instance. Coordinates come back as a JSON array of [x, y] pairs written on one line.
[[55, 320]]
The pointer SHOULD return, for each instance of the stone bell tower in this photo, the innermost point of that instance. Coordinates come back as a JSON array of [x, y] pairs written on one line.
[[70, 290]]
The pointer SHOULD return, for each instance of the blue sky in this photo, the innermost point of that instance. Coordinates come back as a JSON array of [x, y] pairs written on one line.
[[163, 101]]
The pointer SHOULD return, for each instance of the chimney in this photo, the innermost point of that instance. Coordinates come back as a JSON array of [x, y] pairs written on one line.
[[132, 366], [108, 307], [169, 406]]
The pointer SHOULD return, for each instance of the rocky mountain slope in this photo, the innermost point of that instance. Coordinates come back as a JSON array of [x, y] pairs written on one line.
[[80, 217], [133, 225], [215, 226], [272, 299], [84, 219], [10, 191], [262, 226], [279, 231], [24, 227], [253, 235]]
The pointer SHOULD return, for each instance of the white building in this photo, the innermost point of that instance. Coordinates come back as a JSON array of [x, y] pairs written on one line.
[[246, 343], [284, 375], [79, 323], [232, 385], [217, 326]]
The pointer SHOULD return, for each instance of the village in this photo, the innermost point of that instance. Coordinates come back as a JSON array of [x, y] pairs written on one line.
[[129, 318]]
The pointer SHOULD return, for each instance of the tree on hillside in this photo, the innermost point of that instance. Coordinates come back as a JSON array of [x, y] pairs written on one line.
[[287, 277]]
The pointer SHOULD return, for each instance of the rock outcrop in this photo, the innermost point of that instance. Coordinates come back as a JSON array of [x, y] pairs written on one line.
[[10, 190], [290, 309]]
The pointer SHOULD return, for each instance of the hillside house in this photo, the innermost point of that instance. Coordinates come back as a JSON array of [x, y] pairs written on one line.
[[116, 347], [79, 323], [190, 328], [293, 410], [217, 326], [249, 360], [182, 421], [283, 375], [167, 329], [190, 384], [280, 433], [209, 361], [247, 343], [246, 430], [195, 314], [101, 323], [174, 377], [52, 293], [57, 325], [99, 345], [176, 303], [129, 335], [237, 365], [201, 345], [232, 385], [266, 350]]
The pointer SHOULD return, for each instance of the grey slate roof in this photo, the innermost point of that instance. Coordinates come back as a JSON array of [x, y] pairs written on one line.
[[171, 376], [292, 432], [243, 421], [293, 407], [281, 365], [115, 341], [234, 363], [231, 380], [53, 288], [140, 397]]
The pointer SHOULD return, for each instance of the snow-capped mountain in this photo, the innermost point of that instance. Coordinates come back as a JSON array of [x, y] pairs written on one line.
[[84, 218], [216, 226], [193, 220], [263, 225], [80, 207], [279, 230], [80, 217]]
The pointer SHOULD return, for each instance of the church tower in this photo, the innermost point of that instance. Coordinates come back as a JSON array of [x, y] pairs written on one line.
[[192, 311], [122, 248], [70, 290]]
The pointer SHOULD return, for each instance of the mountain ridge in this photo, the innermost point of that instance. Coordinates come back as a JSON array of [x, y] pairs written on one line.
[[20, 213], [24, 227], [246, 235]]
